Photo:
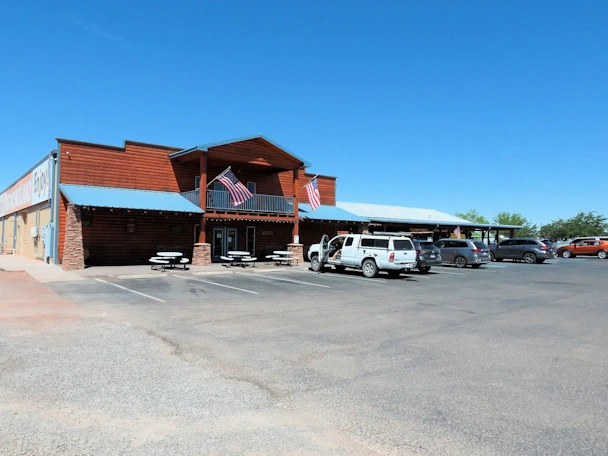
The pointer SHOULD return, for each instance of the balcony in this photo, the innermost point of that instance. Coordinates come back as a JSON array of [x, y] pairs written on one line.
[[220, 200]]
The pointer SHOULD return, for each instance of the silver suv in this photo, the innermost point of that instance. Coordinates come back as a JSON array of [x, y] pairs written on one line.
[[462, 252], [529, 250]]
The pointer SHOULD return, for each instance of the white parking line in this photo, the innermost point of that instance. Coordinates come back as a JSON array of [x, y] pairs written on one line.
[[217, 284], [452, 273], [266, 276], [128, 289], [335, 275]]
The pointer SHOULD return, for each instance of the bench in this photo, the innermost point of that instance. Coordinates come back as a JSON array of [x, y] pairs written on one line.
[[184, 261], [158, 262], [226, 261], [286, 260], [249, 260], [270, 258]]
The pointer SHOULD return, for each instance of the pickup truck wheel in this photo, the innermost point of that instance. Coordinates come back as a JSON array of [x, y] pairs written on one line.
[[602, 254], [315, 264], [460, 261], [370, 270]]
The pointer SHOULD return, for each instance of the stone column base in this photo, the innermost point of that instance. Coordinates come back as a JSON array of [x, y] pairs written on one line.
[[297, 249], [201, 255], [73, 250]]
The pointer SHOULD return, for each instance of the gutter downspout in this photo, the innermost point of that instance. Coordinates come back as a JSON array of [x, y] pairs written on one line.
[[55, 203]]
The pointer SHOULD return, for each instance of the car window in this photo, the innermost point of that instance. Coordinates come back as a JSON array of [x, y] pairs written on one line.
[[505, 243], [428, 246], [440, 244], [402, 244], [450, 244], [349, 241], [520, 242], [462, 244], [375, 242], [531, 242], [382, 243], [367, 242], [480, 245]]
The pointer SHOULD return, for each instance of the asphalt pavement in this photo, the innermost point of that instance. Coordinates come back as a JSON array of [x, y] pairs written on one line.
[[509, 359]]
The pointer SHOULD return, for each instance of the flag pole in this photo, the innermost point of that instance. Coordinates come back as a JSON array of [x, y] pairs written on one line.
[[315, 176], [218, 176]]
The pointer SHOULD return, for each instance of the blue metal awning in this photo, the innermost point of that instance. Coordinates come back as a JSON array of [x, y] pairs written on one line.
[[331, 213], [127, 198]]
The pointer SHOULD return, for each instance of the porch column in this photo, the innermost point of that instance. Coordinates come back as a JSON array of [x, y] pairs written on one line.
[[296, 223], [202, 237], [73, 249]]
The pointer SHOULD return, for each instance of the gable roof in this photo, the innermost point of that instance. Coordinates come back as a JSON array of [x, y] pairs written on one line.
[[205, 147]]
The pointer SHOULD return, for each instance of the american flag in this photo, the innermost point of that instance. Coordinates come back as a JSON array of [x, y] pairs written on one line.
[[238, 192], [312, 189], [457, 232]]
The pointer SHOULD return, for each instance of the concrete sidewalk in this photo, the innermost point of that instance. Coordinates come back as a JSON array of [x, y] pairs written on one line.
[[39, 270], [53, 273]]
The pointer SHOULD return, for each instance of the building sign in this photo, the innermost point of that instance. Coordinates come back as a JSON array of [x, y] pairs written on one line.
[[33, 188]]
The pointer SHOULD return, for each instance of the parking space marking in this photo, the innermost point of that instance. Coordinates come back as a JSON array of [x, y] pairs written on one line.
[[347, 277], [132, 291], [216, 284], [267, 276], [452, 273]]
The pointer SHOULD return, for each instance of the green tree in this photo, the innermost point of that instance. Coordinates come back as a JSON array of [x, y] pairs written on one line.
[[528, 229], [582, 224], [472, 216]]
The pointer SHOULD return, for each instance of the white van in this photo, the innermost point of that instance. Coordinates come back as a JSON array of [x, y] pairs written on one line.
[[369, 252]]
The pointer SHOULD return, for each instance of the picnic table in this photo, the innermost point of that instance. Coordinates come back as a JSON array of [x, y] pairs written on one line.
[[284, 257], [168, 259], [241, 257]]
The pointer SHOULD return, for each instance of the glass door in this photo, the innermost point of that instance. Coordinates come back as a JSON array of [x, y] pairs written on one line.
[[217, 247], [231, 243], [250, 240]]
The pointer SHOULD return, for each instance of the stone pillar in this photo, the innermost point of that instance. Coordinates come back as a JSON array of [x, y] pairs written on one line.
[[297, 249], [73, 249], [201, 255]]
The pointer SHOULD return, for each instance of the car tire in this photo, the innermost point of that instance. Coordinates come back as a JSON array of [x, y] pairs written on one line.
[[492, 257], [315, 264], [369, 268], [475, 266], [602, 254], [529, 258], [567, 254], [424, 270], [340, 268], [460, 261], [541, 261]]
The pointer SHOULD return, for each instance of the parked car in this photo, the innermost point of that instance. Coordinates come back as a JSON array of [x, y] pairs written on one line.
[[428, 254], [463, 252], [370, 253], [585, 247], [529, 250]]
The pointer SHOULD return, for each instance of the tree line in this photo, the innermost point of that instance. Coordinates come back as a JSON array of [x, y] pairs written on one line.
[[582, 224]]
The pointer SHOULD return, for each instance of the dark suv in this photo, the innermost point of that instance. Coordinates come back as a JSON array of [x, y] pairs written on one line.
[[529, 250], [428, 255]]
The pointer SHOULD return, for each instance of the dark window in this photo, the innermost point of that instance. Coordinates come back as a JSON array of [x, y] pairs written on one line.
[[367, 242], [506, 243], [451, 244], [480, 245], [440, 244], [251, 187], [404, 244], [428, 246], [520, 242], [462, 244], [349, 241], [382, 243]]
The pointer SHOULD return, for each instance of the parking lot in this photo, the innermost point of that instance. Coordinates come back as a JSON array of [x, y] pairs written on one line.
[[507, 359]]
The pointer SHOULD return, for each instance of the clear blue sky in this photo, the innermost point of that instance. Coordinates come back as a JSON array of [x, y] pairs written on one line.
[[499, 106]]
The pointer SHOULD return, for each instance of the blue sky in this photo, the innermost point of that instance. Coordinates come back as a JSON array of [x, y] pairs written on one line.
[[499, 106]]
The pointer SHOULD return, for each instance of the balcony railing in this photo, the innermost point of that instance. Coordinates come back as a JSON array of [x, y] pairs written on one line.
[[217, 199]]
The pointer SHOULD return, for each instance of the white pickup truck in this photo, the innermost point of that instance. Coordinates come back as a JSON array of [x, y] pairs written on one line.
[[369, 252]]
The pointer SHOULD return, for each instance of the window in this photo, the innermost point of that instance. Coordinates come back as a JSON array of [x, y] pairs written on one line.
[[530, 242], [440, 244], [250, 240], [520, 242], [251, 187], [462, 245], [367, 242], [480, 245], [428, 246], [197, 182], [506, 243], [450, 244], [382, 243], [404, 244], [375, 242], [217, 186], [349, 241]]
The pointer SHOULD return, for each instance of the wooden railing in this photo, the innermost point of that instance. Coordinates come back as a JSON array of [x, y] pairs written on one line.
[[218, 199]]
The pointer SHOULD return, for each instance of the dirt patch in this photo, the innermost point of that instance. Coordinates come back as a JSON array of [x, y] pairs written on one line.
[[29, 303]]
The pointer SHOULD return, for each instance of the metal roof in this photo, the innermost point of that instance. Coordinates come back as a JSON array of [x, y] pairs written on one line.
[[411, 215], [332, 213], [127, 198], [207, 146]]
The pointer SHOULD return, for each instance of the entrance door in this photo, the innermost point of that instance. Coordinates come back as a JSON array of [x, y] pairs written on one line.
[[224, 240]]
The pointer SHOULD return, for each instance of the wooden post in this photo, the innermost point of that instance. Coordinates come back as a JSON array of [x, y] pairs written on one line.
[[296, 223], [202, 237]]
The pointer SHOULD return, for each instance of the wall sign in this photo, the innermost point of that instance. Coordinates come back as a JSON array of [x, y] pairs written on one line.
[[31, 189]]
